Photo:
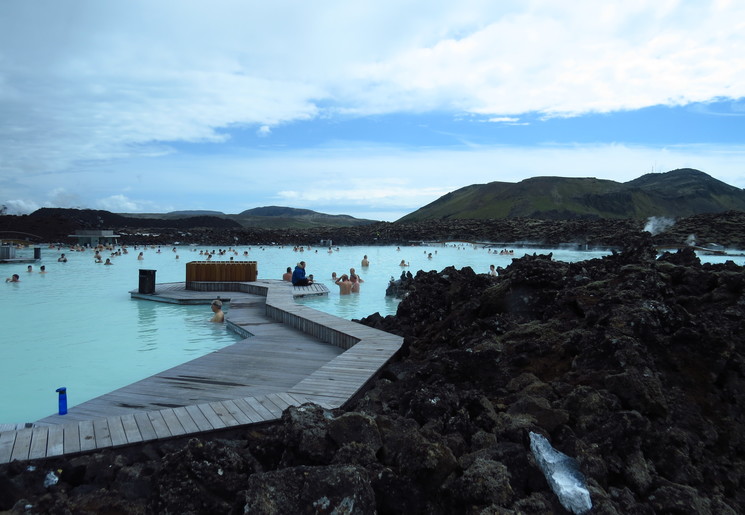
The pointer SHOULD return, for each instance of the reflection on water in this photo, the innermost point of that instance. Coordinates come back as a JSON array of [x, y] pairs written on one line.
[[147, 329]]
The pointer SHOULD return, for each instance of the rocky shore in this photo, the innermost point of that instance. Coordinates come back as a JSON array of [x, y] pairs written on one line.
[[632, 364], [727, 229]]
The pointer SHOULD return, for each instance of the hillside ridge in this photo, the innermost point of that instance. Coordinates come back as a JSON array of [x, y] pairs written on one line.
[[681, 192]]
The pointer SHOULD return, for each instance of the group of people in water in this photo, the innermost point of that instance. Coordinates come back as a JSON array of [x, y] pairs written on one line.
[[15, 278], [347, 283]]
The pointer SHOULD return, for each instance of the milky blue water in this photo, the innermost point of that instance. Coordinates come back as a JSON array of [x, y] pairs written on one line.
[[76, 326]]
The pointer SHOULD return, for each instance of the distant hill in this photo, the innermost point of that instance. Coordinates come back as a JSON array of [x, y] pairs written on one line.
[[278, 217], [99, 219], [677, 193], [267, 217]]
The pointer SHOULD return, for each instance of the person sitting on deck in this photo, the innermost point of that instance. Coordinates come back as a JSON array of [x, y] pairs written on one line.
[[298, 276], [217, 310], [287, 276]]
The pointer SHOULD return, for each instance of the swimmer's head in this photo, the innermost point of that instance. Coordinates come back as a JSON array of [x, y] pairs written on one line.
[[217, 303]]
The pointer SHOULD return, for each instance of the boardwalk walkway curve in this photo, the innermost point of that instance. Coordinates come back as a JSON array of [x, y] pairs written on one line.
[[364, 352]]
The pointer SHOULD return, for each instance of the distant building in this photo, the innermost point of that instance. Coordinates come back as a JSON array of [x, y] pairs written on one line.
[[8, 255], [93, 238]]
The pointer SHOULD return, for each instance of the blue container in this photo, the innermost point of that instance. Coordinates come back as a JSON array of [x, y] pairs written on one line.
[[62, 400]]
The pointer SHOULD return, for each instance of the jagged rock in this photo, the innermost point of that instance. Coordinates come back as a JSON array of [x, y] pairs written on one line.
[[328, 489]]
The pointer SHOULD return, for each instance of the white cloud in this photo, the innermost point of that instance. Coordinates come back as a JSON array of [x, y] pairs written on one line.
[[61, 197], [503, 119], [82, 81], [20, 207], [123, 204]]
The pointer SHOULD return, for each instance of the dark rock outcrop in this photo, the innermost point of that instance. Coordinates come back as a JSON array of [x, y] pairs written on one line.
[[727, 229]]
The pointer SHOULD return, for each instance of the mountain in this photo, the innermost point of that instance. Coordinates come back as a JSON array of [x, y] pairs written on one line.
[[99, 219], [267, 217], [677, 193], [278, 217]]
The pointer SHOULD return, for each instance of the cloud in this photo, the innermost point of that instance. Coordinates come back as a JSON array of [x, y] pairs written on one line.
[[378, 197], [20, 207], [503, 119], [592, 57], [122, 204], [61, 197], [87, 82], [264, 131]]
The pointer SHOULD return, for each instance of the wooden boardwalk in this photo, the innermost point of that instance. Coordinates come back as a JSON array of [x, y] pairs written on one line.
[[292, 355]]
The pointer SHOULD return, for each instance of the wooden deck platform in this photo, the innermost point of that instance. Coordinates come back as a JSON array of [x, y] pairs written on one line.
[[292, 354]]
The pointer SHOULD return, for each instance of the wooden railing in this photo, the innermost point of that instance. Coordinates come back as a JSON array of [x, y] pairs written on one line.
[[221, 271]]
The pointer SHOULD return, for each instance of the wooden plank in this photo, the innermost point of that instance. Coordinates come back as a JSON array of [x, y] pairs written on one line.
[[214, 420], [72, 438], [87, 435], [246, 408], [145, 426], [298, 399], [186, 421], [198, 417], [7, 439], [172, 421], [272, 407], [22, 444], [39, 437], [264, 413], [102, 433], [131, 430], [277, 401], [159, 425], [236, 412], [288, 399], [56, 441], [116, 431], [224, 414]]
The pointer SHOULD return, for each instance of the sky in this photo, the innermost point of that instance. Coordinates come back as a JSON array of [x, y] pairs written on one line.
[[370, 109]]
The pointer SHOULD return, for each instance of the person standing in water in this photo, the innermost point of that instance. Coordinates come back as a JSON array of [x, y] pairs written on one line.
[[345, 285], [216, 306], [356, 280]]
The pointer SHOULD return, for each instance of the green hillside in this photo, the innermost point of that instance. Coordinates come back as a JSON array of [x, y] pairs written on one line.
[[676, 193]]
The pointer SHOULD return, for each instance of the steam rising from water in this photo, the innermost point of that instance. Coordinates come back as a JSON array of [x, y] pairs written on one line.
[[657, 224]]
